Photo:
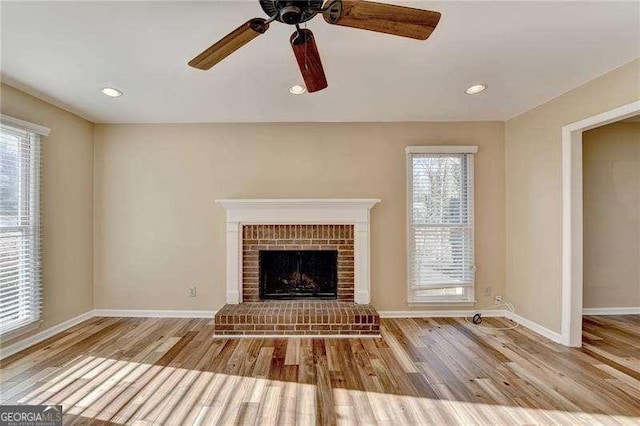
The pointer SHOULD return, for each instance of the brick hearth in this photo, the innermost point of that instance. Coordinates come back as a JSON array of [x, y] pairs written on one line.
[[297, 317]]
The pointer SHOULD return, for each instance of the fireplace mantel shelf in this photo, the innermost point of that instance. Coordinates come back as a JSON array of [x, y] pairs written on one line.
[[321, 211], [368, 202], [299, 211]]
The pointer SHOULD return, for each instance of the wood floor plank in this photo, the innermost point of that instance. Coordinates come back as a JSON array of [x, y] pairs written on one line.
[[422, 371]]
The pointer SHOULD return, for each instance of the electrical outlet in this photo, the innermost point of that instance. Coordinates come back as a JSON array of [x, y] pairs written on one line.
[[498, 299], [487, 291], [192, 291]]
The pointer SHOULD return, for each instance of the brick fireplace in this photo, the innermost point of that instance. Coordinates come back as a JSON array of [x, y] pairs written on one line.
[[260, 238], [300, 228], [352, 213]]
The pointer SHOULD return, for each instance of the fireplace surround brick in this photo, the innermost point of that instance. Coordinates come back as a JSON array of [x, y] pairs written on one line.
[[297, 237]]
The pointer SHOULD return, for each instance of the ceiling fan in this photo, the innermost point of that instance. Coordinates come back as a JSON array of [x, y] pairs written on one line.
[[384, 18]]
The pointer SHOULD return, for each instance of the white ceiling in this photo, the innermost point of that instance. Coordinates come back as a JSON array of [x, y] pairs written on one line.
[[526, 52]]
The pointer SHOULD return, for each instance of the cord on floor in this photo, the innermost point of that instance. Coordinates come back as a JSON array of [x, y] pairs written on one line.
[[478, 315]]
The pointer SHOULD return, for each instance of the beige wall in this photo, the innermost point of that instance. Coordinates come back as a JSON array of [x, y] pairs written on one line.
[[67, 205], [611, 178], [158, 230], [534, 190], [147, 201]]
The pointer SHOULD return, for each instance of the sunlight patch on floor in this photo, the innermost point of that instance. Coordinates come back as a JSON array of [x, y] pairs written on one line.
[[405, 409], [127, 391]]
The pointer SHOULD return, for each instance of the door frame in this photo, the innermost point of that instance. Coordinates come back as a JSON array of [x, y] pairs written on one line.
[[572, 220]]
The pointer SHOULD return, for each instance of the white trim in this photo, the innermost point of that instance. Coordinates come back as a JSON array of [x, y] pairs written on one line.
[[444, 302], [297, 336], [607, 117], [612, 311], [572, 226], [151, 313], [24, 125], [15, 333], [470, 293], [298, 211], [442, 313], [25, 343], [325, 211], [252, 203], [441, 286], [6, 351], [535, 327], [543, 331], [440, 149]]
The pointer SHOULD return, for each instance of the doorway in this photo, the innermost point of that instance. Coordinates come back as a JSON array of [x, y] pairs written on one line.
[[572, 218]]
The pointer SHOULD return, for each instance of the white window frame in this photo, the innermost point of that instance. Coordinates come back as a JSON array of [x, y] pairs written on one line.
[[468, 298], [34, 132]]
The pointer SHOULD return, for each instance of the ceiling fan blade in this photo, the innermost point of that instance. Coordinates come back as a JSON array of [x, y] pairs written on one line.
[[230, 43], [308, 57], [383, 18]]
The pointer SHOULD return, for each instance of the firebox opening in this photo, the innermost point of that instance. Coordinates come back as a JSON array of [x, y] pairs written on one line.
[[298, 274]]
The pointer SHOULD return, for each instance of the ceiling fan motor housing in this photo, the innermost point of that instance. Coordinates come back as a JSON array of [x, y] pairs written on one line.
[[291, 12], [291, 15]]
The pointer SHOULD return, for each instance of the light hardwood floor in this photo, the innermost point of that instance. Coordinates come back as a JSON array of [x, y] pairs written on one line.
[[423, 371]]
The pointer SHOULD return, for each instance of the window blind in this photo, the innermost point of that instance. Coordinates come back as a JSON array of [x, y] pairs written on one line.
[[441, 264], [20, 229]]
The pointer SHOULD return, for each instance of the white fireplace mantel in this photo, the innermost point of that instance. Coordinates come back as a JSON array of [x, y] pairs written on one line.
[[299, 212]]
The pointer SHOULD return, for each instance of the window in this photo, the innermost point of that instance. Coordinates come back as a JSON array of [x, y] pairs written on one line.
[[440, 224], [20, 233]]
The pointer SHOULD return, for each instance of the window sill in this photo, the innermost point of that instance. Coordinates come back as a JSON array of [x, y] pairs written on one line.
[[443, 303], [10, 335]]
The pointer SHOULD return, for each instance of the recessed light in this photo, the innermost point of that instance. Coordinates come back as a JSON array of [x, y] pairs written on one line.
[[475, 89], [110, 91], [297, 89]]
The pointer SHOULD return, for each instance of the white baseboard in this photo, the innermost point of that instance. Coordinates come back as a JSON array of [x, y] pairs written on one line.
[[45, 334], [443, 313], [534, 326], [611, 311], [549, 334], [150, 313], [6, 351]]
